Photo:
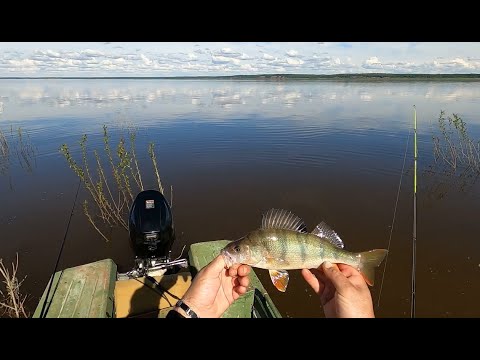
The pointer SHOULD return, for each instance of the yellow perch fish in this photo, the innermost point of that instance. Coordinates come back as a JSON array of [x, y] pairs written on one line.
[[282, 243]]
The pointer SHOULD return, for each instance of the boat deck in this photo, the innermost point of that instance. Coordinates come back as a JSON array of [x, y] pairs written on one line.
[[92, 290]]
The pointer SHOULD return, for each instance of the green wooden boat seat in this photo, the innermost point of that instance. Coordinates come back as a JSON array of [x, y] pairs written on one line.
[[85, 291]]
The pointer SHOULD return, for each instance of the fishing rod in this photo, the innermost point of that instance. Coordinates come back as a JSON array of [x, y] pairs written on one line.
[[414, 242], [42, 313]]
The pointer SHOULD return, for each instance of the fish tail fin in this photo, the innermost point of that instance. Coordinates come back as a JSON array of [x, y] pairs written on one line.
[[369, 261]]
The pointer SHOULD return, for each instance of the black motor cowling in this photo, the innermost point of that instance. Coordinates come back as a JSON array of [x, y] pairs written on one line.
[[151, 225]]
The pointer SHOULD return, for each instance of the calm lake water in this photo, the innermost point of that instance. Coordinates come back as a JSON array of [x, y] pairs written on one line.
[[329, 151]]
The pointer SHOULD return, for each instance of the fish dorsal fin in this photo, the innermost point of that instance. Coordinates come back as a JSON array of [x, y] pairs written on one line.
[[282, 219], [324, 231], [279, 279]]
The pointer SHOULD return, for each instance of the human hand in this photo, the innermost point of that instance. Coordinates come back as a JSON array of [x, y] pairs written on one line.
[[215, 288], [342, 290]]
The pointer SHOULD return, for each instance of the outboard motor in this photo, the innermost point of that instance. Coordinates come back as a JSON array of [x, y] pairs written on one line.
[[152, 235], [151, 225]]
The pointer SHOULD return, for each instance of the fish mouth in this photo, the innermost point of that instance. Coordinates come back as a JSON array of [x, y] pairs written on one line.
[[227, 258]]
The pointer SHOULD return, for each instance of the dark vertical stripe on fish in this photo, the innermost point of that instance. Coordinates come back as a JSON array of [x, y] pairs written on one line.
[[269, 245], [321, 251], [303, 247], [283, 244]]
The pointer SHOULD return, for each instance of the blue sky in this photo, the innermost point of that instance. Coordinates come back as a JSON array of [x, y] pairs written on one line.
[[194, 59]]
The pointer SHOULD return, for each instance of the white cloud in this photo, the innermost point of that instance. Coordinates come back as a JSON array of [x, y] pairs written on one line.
[[248, 68], [439, 65], [171, 59], [192, 57], [245, 57], [146, 60], [462, 62], [295, 61], [372, 61], [49, 53], [227, 52], [90, 52], [224, 60], [25, 65], [195, 66]]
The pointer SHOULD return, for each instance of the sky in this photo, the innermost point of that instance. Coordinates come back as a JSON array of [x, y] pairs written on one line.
[[139, 59]]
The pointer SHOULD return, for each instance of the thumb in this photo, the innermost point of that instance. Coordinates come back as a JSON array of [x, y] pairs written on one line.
[[333, 273], [216, 265]]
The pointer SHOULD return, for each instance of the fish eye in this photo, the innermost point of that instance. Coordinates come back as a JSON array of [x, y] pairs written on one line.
[[236, 248]]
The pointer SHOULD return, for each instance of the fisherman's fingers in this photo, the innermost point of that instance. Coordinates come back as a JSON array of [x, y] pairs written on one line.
[[244, 281], [311, 280], [215, 267], [244, 270], [339, 280], [237, 287], [239, 270], [239, 290], [348, 270]]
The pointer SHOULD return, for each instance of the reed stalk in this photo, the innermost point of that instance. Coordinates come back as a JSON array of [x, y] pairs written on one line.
[[111, 193], [151, 152], [18, 143], [453, 146], [12, 303]]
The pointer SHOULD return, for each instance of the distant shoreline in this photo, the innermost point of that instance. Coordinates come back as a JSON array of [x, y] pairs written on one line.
[[280, 77]]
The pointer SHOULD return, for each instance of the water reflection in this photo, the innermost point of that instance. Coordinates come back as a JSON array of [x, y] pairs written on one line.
[[218, 100], [439, 181]]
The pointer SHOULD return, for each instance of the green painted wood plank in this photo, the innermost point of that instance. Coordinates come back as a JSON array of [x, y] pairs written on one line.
[[85, 291], [38, 310]]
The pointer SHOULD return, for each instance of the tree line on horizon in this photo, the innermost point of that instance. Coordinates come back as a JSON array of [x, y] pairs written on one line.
[[350, 76]]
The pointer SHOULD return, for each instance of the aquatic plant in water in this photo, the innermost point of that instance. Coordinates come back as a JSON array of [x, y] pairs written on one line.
[[454, 146], [11, 299], [112, 190], [4, 153], [18, 143], [456, 158]]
